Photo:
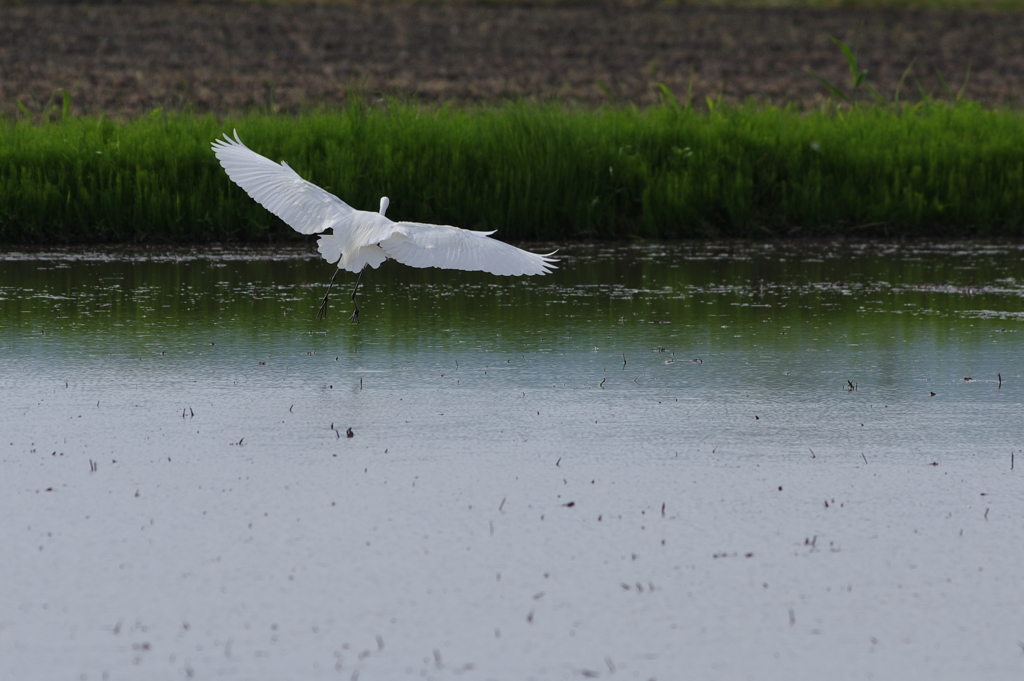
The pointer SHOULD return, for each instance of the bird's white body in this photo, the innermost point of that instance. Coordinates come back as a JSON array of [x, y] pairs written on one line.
[[359, 238]]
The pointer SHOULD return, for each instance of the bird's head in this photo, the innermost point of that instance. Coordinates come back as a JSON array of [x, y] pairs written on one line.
[[384, 204]]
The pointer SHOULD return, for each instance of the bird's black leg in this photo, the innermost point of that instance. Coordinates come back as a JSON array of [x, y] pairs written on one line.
[[355, 315], [322, 314]]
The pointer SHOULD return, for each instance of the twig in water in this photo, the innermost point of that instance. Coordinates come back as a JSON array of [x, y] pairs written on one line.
[[502, 504], [864, 457], [623, 361], [1000, 380]]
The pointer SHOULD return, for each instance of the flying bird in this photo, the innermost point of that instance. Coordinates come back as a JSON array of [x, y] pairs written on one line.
[[359, 239]]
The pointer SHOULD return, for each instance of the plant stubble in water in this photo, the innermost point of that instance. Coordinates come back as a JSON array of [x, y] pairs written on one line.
[[742, 435]]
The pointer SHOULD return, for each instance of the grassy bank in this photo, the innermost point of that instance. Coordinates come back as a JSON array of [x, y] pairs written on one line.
[[532, 172]]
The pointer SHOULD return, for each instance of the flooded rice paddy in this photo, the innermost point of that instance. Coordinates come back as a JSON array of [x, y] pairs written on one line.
[[674, 461]]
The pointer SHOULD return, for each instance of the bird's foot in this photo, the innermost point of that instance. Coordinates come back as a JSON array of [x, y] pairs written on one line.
[[355, 316], [322, 314]]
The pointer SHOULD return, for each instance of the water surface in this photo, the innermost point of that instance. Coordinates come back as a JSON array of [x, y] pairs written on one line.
[[629, 467], [754, 348]]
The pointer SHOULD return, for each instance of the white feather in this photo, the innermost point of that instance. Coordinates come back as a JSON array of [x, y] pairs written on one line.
[[329, 247], [450, 248], [361, 238], [303, 206]]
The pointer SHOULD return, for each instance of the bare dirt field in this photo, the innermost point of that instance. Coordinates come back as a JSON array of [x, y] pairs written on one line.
[[128, 58]]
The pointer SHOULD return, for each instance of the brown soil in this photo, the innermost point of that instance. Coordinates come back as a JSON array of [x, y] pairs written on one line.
[[130, 58]]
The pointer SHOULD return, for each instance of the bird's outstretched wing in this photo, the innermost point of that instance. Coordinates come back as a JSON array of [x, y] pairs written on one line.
[[305, 207], [450, 248]]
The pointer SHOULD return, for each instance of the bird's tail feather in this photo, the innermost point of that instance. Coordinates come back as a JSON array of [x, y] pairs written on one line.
[[329, 247]]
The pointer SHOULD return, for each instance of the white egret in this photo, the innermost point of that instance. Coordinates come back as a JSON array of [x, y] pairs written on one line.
[[362, 239]]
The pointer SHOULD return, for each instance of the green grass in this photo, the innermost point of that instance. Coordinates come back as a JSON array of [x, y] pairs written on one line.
[[532, 172]]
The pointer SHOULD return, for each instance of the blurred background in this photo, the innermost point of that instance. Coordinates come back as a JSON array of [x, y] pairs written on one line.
[[123, 59]]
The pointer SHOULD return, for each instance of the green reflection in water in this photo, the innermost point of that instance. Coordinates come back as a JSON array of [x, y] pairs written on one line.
[[752, 349], [736, 294], [773, 316]]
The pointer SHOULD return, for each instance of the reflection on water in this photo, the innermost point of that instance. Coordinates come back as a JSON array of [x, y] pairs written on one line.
[[753, 349]]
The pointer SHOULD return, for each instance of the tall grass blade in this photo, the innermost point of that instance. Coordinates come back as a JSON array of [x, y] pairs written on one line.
[[667, 94], [850, 59], [925, 97], [967, 76], [945, 87], [879, 99], [831, 88], [899, 85]]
